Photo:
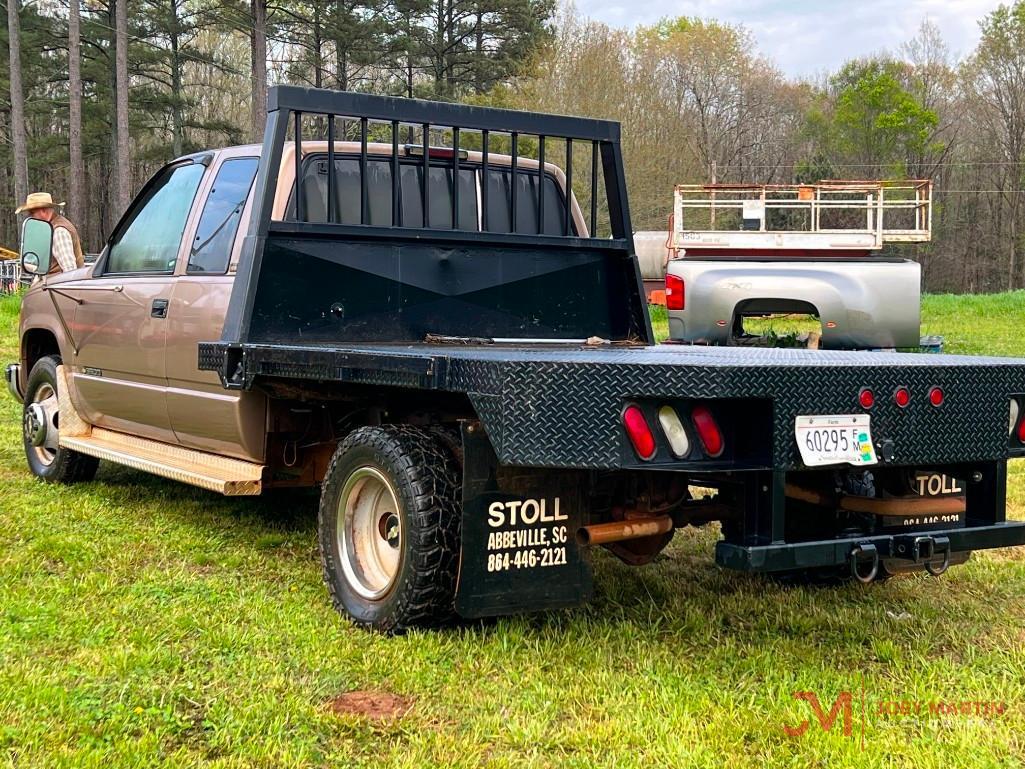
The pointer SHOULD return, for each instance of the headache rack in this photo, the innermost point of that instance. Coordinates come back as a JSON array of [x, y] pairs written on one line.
[[831, 215], [326, 279]]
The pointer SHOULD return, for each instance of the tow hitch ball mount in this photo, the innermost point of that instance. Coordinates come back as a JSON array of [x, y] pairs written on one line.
[[921, 549]]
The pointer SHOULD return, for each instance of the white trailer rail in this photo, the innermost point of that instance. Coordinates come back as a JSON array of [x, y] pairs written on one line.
[[10, 276], [830, 215]]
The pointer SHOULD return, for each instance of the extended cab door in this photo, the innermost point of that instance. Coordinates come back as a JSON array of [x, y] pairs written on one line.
[[203, 414], [119, 377]]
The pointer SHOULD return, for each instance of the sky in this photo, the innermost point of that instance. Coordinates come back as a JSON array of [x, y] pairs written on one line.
[[807, 38]]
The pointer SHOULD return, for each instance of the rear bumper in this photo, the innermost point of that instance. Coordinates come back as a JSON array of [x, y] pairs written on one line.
[[837, 552], [12, 373]]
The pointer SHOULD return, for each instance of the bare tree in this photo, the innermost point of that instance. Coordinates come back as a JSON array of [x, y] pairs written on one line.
[[124, 146], [259, 76], [18, 135], [76, 169]]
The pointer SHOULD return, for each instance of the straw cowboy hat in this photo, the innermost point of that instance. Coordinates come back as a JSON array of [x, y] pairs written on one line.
[[37, 200]]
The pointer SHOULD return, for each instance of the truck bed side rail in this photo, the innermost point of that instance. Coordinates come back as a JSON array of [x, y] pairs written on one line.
[[427, 283]]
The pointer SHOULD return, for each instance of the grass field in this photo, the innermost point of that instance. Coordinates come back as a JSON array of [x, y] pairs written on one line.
[[145, 623]]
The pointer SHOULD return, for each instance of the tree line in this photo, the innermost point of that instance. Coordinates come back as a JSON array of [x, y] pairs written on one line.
[[98, 94]]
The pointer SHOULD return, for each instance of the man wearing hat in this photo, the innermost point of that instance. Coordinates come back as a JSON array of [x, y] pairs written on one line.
[[67, 248]]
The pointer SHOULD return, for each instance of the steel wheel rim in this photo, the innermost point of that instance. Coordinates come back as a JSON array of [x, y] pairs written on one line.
[[369, 533], [46, 398]]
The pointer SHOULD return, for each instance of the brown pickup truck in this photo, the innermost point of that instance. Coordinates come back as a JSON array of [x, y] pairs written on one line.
[[428, 330]]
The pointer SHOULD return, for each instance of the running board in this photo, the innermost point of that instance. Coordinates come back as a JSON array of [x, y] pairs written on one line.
[[231, 477]]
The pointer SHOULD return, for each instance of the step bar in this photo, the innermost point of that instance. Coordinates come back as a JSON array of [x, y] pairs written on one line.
[[231, 477]]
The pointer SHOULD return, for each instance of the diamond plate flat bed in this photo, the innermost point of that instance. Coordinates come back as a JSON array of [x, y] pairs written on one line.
[[560, 406]]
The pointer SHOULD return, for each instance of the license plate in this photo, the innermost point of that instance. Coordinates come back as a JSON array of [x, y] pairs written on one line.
[[835, 440]]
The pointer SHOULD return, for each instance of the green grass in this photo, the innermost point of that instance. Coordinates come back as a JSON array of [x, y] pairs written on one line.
[[145, 623]]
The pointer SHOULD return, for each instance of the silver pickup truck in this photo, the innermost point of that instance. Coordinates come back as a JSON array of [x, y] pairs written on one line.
[[807, 249]]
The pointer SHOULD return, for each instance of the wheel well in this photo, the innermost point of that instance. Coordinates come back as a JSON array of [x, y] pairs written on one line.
[[35, 344]]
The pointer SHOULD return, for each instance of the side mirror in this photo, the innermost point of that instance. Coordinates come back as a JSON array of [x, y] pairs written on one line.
[[36, 246]]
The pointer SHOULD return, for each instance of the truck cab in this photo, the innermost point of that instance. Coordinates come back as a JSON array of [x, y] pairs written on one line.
[[129, 325]]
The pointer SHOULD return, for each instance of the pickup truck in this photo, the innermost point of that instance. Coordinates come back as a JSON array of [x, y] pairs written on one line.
[[825, 250], [378, 302]]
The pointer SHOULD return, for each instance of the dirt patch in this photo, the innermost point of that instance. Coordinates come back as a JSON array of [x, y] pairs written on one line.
[[377, 706]]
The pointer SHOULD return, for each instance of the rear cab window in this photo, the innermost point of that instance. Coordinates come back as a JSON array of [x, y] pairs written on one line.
[[346, 199]]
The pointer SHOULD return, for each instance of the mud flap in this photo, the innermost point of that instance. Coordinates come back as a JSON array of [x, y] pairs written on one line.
[[519, 548]]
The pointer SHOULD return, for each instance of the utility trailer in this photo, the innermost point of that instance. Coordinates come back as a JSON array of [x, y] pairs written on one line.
[[434, 332]]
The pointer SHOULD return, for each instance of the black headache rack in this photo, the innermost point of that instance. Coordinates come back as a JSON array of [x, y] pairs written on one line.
[[325, 280]]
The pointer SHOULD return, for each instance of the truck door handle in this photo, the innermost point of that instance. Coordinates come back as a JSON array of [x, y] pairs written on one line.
[[159, 309]]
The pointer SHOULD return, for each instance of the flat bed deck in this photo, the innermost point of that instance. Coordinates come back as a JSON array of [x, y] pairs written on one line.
[[559, 405]]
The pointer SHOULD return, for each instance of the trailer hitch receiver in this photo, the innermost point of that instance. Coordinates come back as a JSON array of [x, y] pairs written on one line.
[[925, 549]]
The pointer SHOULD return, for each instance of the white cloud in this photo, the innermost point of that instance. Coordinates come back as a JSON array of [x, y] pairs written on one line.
[[805, 37]]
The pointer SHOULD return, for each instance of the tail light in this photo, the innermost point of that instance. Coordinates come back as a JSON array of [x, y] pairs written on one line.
[[936, 396], [708, 430], [676, 434], [674, 292], [1021, 431], [902, 397], [638, 432], [866, 398]]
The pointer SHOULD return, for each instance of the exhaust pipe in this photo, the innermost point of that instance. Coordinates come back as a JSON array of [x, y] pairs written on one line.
[[620, 531]]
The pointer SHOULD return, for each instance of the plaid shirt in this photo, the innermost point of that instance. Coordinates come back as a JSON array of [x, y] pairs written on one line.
[[64, 249]]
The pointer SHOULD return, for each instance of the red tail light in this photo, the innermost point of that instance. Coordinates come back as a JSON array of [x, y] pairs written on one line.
[[1021, 430], [902, 397], [936, 396], [674, 292], [866, 398], [638, 432], [708, 430]]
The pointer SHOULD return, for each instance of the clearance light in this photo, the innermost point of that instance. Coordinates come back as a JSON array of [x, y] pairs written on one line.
[[674, 292], [674, 431], [638, 432], [866, 398], [902, 397], [936, 396], [1015, 410], [708, 430]]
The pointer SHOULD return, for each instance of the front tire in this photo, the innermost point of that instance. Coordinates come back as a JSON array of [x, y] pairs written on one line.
[[47, 459], [389, 528]]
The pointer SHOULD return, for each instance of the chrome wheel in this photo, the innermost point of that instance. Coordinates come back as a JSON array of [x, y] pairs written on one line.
[[40, 422], [369, 533]]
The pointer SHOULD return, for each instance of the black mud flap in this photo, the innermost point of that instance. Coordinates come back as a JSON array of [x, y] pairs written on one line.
[[519, 548]]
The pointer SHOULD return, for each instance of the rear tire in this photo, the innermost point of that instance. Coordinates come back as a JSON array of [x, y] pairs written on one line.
[[50, 461], [389, 528]]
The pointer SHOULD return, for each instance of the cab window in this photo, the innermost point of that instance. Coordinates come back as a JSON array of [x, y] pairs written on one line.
[[379, 196], [222, 211], [149, 239]]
